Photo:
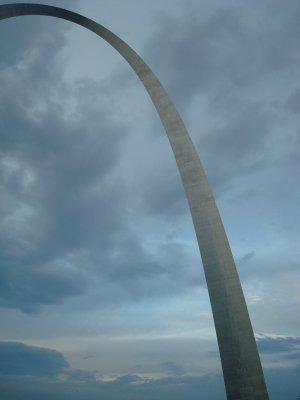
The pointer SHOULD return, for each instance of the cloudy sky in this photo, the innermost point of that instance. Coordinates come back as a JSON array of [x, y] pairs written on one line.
[[102, 291]]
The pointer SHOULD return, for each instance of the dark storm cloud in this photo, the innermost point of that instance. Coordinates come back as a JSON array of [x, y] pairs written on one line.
[[20, 359], [136, 276], [227, 59], [20, 32], [283, 382], [37, 286], [234, 47], [164, 197], [253, 265], [293, 102], [134, 387], [123, 387], [32, 41], [289, 346], [19, 362], [242, 142], [125, 380], [173, 368], [65, 228], [53, 176], [247, 257], [68, 231], [79, 375]]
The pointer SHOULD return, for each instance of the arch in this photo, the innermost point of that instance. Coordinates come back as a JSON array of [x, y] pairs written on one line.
[[241, 365]]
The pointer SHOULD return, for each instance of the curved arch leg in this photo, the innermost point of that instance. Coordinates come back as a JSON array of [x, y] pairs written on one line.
[[243, 375]]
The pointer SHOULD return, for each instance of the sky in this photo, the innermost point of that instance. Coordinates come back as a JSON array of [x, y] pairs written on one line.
[[102, 291]]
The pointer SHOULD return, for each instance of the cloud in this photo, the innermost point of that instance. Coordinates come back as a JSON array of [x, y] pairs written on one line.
[[124, 387], [273, 345], [64, 221], [293, 102], [127, 380], [79, 375], [282, 382], [227, 50], [247, 257], [54, 174], [21, 359], [47, 285], [173, 368], [22, 33], [93, 217], [18, 361], [127, 387], [66, 229], [240, 142], [219, 79]]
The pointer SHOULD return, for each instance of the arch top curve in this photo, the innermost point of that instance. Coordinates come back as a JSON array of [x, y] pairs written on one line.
[[169, 116], [239, 355]]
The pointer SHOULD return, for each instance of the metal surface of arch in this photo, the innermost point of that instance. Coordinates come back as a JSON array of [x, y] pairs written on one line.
[[241, 365]]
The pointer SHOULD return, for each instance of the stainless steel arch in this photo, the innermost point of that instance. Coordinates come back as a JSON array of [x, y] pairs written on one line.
[[241, 365]]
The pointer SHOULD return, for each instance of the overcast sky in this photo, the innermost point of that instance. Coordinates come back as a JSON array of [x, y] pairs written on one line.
[[102, 291]]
